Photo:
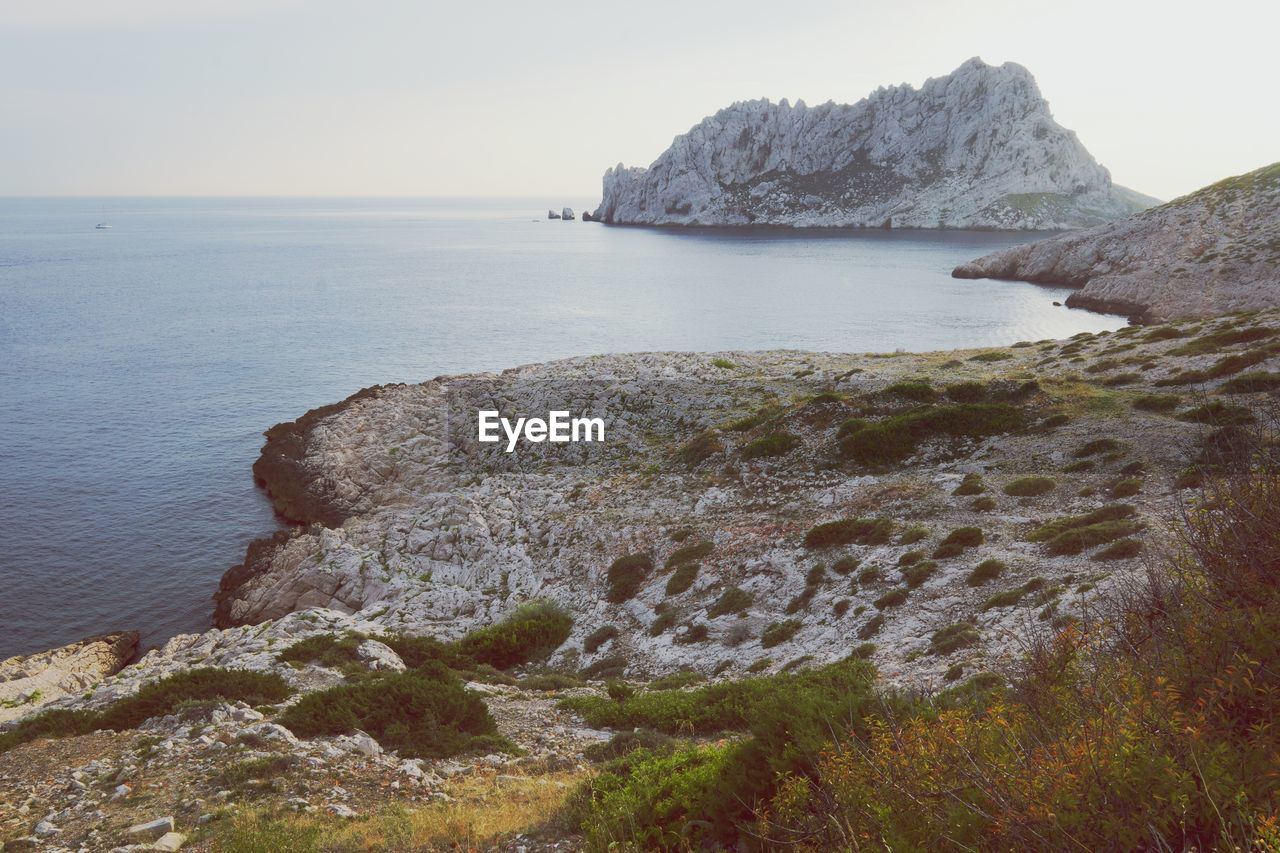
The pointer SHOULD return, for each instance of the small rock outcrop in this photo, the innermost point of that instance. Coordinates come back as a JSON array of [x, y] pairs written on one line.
[[551, 214], [28, 682], [977, 148], [1213, 251], [567, 213]]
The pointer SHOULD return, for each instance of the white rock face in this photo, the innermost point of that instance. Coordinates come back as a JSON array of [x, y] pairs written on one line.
[[976, 148], [28, 682], [567, 213], [1211, 252]]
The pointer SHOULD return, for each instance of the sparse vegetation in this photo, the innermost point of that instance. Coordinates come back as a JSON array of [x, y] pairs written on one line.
[[895, 438], [687, 553], [626, 575], [774, 444], [597, 638], [850, 531], [779, 632], [1029, 487], [732, 600], [682, 578], [957, 541], [985, 571]]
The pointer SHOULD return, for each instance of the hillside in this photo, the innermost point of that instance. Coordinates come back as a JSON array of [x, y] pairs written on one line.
[[1216, 250]]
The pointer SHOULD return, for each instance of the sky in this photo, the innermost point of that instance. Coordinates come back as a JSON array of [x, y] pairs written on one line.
[[413, 98]]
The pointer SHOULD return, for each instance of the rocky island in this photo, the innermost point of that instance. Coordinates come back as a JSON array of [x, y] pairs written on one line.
[[1213, 251], [756, 521], [977, 148]]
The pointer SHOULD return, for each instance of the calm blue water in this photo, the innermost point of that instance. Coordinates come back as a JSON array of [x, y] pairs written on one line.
[[139, 366]]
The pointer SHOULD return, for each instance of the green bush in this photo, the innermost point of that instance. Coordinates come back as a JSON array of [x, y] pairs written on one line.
[[870, 574], [1251, 383], [910, 558], [723, 364], [682, 578], [994, 355], [779, 632], [597, 638], [985, 571], [1163, 333], [845, 565], [957, 541], [957, 636], [1122, 550], [530, 634], [1218, 413], [612, 666], [913, 534], [689, 552], [155, 699], [971, 485], [983, 504], [1008, 598], [1126, 488], [625, 742], [326, 650], [667, 617], [1157, 402], [1029, 487], [967, 392], [895, 438], [915, 575], [1110, 512], [422, 713], [700, 448], [417, 651], [732, 600], [1081, 538], [1077, 466], [892, 598], [774, 444], [850, 531], [1215, 341], [695, 632], [1097, 446], [918, 391], [626, 575], [872, 627]]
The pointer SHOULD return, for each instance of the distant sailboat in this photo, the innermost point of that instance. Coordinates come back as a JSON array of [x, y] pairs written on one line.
[[103, 225]]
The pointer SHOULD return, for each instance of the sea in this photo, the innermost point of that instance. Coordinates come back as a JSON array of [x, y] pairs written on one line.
[[140, 364]]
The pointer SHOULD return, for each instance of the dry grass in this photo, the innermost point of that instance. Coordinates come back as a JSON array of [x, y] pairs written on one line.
[[482, 810]]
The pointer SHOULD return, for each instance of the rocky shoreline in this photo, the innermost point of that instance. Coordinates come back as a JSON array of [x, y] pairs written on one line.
[[752, 513]]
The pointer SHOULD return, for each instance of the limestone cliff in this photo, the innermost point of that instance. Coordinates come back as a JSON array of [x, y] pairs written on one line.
[[1213, 251], [977, 148]]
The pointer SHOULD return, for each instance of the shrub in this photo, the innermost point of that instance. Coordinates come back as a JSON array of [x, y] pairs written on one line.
[[1077, 466], [910, 558], [971, 485], [774, 444], [918, 391], [1163, 333], [982, 504], [626, 575], [1218, 413], [895, 438], [953, 637], [701, 447], [1121, 379], [1110, 512], [872, 627], [847, 531], [156, 699], [957, 541], [696, 632], [612, 666], [1008, 598], [840, 608], [985, 571], [530, 634], [1078, 539], [597, 638], [892, 598], [1097, 446], [682, 578], [913, 534], [967, 392], [779, 632], [870, 574], [324, 649], [1157, 402], [423, 713], [1215, 341], [994, 355], [1127, 487], [629, 741], [689, 552], [845, 565], [1053, 422], [723, 364], [666, 618], [1251, 383], [915, 575], [1029, 487], [548, 681], [801, 601], [1122, 550], [417, 651], [732, 600]]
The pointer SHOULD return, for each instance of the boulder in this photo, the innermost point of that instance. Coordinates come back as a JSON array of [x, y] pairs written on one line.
[[152, 830], [551, 214], [567, 213]]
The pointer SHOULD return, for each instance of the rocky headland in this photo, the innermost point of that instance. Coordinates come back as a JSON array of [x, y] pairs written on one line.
[[1214, 251], [751, 513], [977, 148]]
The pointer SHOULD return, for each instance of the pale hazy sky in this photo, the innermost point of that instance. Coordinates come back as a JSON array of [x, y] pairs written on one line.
[[393, 97]]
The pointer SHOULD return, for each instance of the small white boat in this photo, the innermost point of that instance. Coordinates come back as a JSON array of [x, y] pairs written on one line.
[[103, 225]]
